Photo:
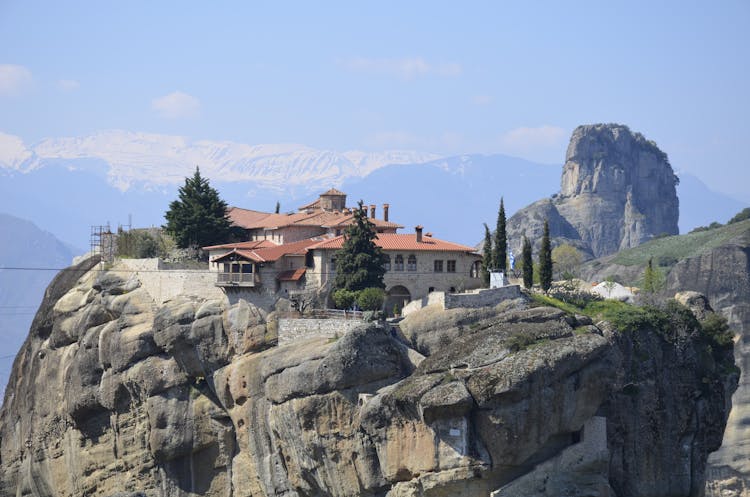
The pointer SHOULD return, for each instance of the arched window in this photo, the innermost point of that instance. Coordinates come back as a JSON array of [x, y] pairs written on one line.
[[399, 263], [411, 263], [387, 263]]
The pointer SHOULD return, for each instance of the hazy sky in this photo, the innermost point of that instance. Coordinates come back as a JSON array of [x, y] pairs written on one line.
[[456, 77]]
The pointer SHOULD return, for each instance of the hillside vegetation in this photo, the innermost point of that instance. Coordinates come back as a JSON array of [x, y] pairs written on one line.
[[668, 250]]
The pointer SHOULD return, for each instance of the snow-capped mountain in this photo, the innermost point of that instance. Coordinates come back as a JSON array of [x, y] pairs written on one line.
[[152, 160]]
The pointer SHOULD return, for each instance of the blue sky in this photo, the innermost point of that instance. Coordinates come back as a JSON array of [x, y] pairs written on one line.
[[435, 76]]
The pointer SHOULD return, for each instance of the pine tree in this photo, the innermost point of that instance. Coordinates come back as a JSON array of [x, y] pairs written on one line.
[[199, 216], [359, 263], [545, 260], [653, 278], [487, 256], [648, 277], [500, 254], [528, 263]]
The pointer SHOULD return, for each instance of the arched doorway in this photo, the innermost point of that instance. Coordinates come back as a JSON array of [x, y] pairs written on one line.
[[396, 298]]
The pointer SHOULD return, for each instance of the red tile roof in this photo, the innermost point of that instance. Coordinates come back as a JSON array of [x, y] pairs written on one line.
[[395, 241], [245, 254], [378, 223], [334, 191], [246, 217], [268, 253], [249, 219], [279, 251], [292, 274], [243, 245], [315, 204]]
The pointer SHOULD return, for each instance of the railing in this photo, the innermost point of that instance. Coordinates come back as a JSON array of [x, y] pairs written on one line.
[[324, 314], [236, 279]]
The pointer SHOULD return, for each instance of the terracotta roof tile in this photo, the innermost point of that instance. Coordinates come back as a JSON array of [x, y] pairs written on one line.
[[268, 252], [279, 251], [243, 245], [246, 217], [334, 191], [315, 204], [292, 274], [245, 254], [394, 241], [349, 220]]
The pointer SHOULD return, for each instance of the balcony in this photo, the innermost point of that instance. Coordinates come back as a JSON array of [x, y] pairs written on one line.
[[237, 279]]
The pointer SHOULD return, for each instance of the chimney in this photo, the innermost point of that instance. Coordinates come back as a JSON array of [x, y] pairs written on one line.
[[385, 212], [418, 230], [372, 211]]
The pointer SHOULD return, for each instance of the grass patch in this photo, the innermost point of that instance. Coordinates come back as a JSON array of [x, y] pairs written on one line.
[[546, 300]]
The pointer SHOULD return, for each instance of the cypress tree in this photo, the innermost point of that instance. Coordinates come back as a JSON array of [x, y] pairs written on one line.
[[486, 256], [501, 240], [359, 263], [199, 216], [545, 260], [278, 207], [528, 263]]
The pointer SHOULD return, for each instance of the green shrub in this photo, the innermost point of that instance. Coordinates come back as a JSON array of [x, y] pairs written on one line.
[[628, 318], [343, 298], [716, 328], [666, 260], [741, 216], [146, 246], [371, 299]]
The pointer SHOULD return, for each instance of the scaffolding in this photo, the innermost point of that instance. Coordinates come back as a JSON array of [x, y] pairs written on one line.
[[102, 242]]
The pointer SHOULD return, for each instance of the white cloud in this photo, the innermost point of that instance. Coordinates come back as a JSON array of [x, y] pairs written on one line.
[[544, 143], [68, 84], [176, 105], [407, 68], [13, 79]]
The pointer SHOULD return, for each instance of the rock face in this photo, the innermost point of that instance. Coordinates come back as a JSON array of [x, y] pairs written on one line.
[[617, 191], [721, 273], [114, 395]]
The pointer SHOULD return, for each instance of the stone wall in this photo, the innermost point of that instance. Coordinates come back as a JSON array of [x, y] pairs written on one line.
[[295, 329], [482, 298], [478, 298], [163, 284]]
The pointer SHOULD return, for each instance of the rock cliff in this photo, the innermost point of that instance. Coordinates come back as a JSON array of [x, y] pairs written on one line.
[[617, 191], [716, 264], [114, 395]]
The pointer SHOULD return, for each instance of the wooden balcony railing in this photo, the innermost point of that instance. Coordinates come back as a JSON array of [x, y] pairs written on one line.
[[237, 279]]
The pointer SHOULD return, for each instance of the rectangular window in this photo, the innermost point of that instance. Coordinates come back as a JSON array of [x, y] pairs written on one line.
[[451, 266], [438, 266], [333, 264]]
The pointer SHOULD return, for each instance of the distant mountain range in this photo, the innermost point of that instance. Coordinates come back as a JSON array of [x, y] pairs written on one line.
[[24, 246], [151, 160], [66, 185]]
